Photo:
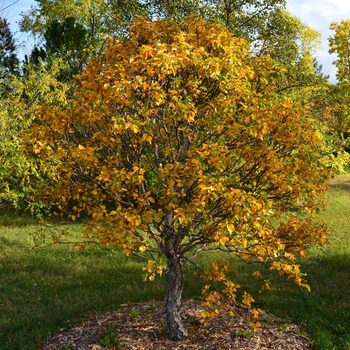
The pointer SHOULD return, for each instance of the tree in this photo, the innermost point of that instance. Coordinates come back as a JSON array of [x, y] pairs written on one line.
[[5, 5], [244, 18], [68, 41], [339, 44], [8, 58], [338, 97], [36, 56], [76, 30], [99, 18], [17, 111], [37, 20], [293, 44], [176, 143], [67, 36]]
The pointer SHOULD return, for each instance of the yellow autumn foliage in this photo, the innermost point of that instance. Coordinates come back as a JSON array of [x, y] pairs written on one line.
[[176, 142]]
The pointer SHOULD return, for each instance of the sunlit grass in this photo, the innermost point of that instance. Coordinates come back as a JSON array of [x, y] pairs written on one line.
[[43, 291]]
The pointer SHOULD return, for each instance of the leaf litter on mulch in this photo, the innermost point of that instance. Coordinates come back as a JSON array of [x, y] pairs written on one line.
[[141, 326]]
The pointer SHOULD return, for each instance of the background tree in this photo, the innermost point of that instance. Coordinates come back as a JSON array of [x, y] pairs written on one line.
[[67, 37], [176, 143], [67, 41], [36, 56], [331, 103], [76, 31], [339, 44], [8, 58], [5, 5], [243, 18], [327, 105], [21, 94], [99, 18], [293, 44], [17, 112]]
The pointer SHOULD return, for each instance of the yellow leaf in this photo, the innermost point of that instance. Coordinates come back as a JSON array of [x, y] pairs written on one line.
[[247, 299], [141, 179], [237, 210], [142, 249], [149, 139], [126, 251], [223, 240], [212, 315], [230, 228], [220, 128], [204, 314], [257, 274]]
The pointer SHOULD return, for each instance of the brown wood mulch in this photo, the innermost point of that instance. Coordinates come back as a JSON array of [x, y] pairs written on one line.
[[141, 326]]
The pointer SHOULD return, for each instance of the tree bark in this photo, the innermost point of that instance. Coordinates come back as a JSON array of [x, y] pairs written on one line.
[[175, 278]]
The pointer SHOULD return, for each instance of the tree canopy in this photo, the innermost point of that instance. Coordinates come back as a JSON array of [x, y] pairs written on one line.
[[176, 142]]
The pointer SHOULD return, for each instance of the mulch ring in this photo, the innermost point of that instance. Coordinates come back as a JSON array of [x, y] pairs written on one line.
[[141, 326]]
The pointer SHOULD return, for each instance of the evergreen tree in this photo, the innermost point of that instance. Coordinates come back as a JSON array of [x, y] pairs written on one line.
[[8, 57], [67, 40]]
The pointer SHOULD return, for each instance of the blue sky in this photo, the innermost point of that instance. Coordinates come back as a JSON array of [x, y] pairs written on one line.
[[318, 14]]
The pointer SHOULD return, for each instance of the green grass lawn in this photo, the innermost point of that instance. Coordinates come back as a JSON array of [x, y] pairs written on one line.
[[324, 313], [43, 291]]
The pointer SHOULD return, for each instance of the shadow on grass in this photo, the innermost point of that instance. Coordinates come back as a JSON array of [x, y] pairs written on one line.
[[45, 291], [6, 243], [12, 219], [324, 313], [340, 186], [341, 182]]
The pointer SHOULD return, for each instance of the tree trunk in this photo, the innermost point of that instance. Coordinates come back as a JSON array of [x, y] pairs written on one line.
[[175, 278]]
